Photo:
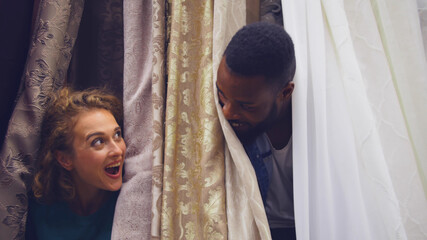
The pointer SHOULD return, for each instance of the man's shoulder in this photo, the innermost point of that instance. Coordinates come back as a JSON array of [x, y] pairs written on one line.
[[259, 147]]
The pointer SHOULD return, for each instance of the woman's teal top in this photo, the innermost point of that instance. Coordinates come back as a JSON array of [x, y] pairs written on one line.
[[57, 221]]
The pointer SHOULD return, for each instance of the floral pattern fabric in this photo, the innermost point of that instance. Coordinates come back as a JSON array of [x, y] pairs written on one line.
[[45, 72]]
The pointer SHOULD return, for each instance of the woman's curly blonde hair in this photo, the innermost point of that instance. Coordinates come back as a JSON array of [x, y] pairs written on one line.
[[52, 182]]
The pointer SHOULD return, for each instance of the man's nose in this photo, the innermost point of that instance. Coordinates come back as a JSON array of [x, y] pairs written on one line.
[[230, 111]]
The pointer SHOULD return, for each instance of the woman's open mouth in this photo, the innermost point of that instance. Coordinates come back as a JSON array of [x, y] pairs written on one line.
[[113, 169]]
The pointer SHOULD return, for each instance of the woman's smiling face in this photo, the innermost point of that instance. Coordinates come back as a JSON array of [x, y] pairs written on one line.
[[98, 151]]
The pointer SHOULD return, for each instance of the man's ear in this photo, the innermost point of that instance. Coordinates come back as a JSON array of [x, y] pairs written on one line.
[[287, 91], [64, 160]]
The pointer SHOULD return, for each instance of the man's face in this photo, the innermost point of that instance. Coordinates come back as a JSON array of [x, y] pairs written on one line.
[[248, 103]]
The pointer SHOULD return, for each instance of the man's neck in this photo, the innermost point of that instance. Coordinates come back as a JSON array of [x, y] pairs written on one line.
[[281, 131]]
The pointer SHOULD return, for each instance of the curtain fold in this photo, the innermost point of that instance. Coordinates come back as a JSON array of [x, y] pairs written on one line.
[[132, 219], [45, 71], [422, 13], [159, 39], [378, 195]]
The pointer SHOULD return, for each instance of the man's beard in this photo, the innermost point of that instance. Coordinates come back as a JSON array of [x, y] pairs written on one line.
[[250, 135]]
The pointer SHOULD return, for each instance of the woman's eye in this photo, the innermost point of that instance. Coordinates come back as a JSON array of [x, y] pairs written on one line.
[[118, 135], [97, 142]]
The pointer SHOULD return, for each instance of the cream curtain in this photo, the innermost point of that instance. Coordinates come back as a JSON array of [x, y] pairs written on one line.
[[359, 164], [56, 30]]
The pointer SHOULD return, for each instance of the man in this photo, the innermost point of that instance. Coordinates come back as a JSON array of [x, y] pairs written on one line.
[[254, 88]]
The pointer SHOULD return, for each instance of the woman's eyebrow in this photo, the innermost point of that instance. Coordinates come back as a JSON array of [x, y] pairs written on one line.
[[94, 134]]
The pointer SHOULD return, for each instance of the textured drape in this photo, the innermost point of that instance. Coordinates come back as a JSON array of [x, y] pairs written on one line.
[[360, 84], [45, 71], [192, 200], [132, 219]]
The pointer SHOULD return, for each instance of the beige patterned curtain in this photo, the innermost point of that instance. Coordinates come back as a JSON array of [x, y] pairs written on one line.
[[47, 63], [188, 188]]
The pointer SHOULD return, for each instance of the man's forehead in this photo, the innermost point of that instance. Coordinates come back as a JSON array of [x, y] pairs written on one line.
[[243, 92]]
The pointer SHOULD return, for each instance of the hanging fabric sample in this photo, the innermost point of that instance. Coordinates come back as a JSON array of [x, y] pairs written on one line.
[[132, 219], [45, 71], [191, 203]]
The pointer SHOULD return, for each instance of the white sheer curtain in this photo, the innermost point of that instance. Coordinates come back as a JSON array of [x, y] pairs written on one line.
[[359, 105]]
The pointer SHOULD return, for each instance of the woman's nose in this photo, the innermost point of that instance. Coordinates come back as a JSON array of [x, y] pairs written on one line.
[[117, 148]]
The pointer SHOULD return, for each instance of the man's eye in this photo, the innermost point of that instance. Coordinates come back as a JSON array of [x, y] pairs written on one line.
[[220, 100], [97, 142], [248, 108]]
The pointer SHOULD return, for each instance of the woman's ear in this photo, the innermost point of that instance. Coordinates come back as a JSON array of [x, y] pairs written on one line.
[[64, 160]]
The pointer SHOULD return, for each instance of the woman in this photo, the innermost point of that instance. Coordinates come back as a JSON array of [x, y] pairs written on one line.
[[79, 171]]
